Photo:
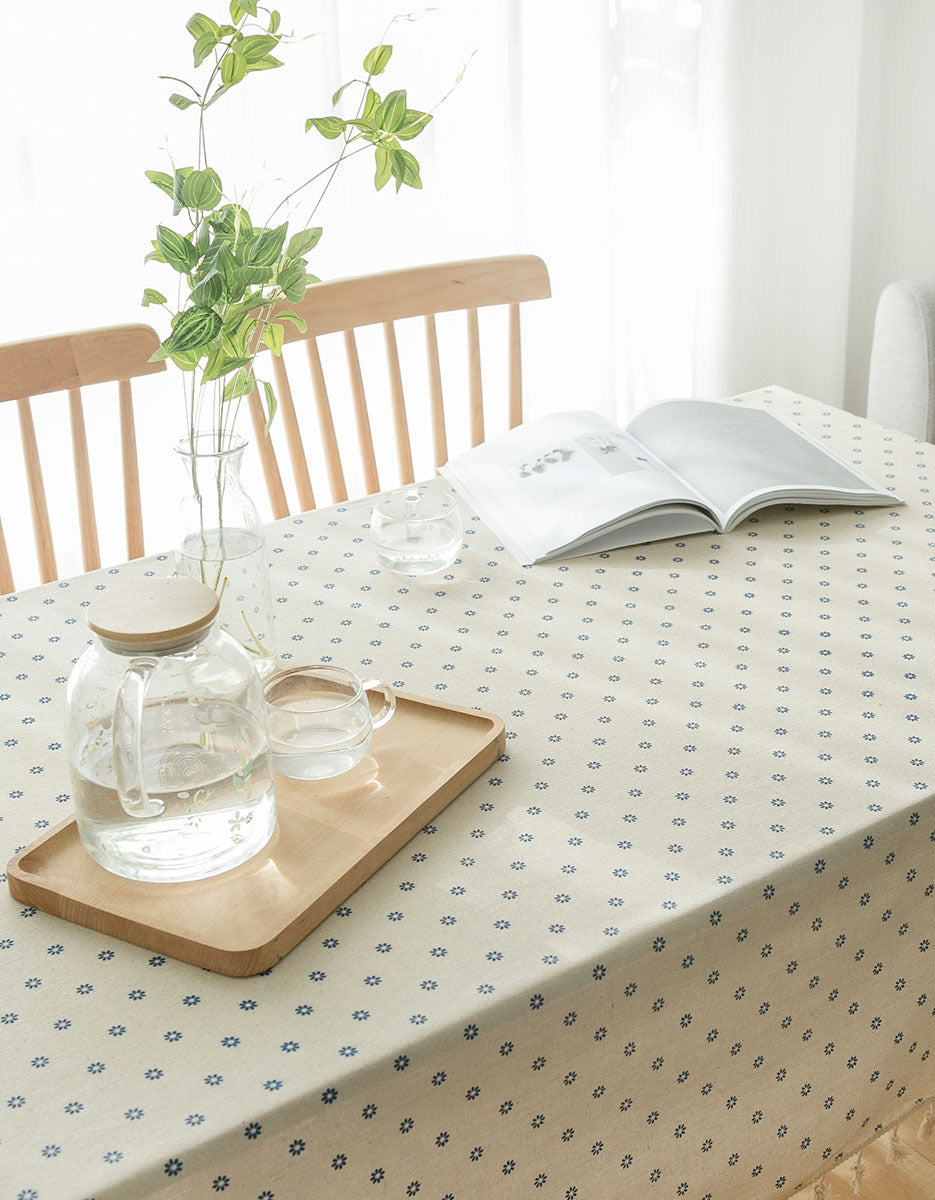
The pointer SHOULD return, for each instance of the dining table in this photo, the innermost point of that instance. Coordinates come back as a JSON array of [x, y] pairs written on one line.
[[678, 940]]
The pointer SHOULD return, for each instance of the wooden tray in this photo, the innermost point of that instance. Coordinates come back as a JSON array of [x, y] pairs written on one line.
[[332, 835]]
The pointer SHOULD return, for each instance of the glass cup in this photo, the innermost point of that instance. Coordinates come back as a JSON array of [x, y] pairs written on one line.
[[417, 530], [320, 723]]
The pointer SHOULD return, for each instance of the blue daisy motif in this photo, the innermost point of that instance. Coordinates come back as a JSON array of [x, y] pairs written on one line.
[[297, 1147], [51, 1151], [253, 1130], [221, 1184], [195, 1119], [274, 1085], [113, 1156], [329, 1095], [377, 1175], [339, 1162]]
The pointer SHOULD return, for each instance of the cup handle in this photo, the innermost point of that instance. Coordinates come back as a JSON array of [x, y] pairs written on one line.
[[128, 741], [389, 706]]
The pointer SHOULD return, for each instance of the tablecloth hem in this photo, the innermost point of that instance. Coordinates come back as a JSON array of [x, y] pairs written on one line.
[[918, 1107]]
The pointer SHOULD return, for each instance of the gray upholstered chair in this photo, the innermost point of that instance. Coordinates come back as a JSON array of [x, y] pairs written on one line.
[[901, 388]]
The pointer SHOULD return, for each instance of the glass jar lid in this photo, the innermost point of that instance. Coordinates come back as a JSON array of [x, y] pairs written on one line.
[[153, 616]]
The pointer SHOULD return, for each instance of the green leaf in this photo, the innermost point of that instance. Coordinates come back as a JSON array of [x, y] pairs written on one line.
[[220, 365], [179, 253], [286, 314], [300, 243], [341, 90], [224, 263], [159, 355], [272, 337], [203, 239], [253, 276], [240, 384], [180, 176], [328, 127], [270, 406], [376, 60], [181, 101], [372, 103], [162, 181], [196, 327], [256, 46], [413, 124], [392, 111], [151, 296], [208, 291], [405, 168], [204, 45], [266, 63], [384, 167], [239, 7], [268, 246], [233, 68], [217, 95], [274, 20], [201, 189], [200, 24], [185, 360], [292, 281]]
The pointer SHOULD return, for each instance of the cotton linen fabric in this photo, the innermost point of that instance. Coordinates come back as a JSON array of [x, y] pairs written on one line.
[[677, 942]]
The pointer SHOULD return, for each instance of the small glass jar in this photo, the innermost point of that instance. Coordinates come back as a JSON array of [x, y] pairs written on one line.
[[167, 737]]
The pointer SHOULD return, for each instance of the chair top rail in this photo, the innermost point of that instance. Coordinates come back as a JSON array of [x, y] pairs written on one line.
[[73, 360], [341, 304]]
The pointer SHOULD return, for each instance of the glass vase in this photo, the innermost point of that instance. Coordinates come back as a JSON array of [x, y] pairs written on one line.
[[223, 544]]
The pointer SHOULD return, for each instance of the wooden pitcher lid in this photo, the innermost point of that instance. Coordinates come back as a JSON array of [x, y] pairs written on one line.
[[155, 613]]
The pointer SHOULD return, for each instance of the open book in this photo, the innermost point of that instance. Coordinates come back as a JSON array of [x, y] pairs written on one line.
[[571, 483]]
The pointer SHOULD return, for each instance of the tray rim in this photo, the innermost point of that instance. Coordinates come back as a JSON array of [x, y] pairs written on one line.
[[32, 887]]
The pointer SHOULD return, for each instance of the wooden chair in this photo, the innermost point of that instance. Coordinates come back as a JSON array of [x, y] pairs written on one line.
[[67, 363], [119, 354], [345, 305]]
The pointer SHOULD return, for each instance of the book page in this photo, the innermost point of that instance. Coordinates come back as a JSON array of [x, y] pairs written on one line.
[[739, 458], [547, 484]]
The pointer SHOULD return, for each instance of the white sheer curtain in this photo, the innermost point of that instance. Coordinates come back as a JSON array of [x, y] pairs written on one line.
[[720, 188]]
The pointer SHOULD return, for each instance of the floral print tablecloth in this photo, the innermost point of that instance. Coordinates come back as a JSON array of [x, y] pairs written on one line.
[[678, 942]]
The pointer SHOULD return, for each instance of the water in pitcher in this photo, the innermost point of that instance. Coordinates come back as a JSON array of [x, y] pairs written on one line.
[[214, 785], [233, 562]]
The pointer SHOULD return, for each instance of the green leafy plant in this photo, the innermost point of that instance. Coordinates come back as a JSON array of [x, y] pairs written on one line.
[[233, 274]]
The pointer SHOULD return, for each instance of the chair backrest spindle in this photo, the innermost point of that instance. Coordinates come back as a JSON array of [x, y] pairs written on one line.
[[90, 550], [303, 483], [133, 508], [42, 530], [329, 440], [361, 416], [436, 395], [398, 401]]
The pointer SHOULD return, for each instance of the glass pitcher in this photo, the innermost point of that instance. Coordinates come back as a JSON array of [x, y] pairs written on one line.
[[167, 737]]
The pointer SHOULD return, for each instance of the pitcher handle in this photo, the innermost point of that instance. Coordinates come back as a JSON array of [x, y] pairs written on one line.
[[389, 706], [128, 740]]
